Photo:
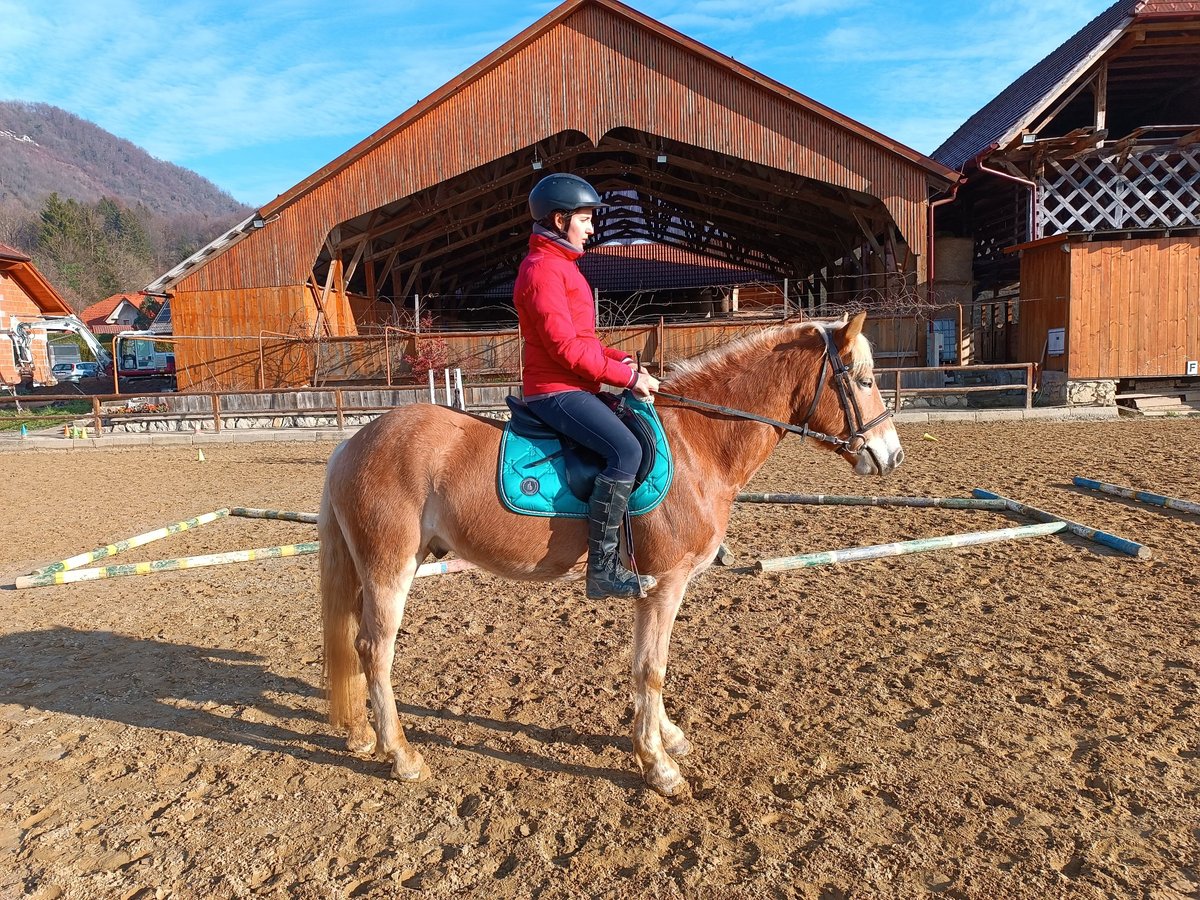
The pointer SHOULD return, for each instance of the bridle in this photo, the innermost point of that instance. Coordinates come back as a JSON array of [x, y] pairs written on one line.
[[856, 428]]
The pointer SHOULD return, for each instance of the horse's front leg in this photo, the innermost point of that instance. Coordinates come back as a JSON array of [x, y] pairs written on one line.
[[655, 737], [384, 597]]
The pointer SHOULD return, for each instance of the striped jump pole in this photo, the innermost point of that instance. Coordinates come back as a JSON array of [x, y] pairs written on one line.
[[75, 562], [443, 568], [166, 565], [900, 548], [1127, 547], [1145, 496], [245, 512], [835, 500]]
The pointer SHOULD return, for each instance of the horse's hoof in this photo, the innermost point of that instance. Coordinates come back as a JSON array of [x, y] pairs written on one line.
[[414, 771], [361, 746], [683, 748], [668, 784]]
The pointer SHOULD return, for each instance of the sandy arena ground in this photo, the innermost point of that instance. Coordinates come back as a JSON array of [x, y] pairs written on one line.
[[1012, 721]]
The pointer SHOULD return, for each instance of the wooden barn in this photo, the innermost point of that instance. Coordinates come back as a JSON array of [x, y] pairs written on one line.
[[690, 149], [1081, 210]]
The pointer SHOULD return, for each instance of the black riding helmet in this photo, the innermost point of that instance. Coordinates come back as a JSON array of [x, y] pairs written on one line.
[[561, 193]]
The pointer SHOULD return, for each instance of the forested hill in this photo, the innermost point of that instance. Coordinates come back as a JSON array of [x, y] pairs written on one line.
[[98, 214], [45, 150]]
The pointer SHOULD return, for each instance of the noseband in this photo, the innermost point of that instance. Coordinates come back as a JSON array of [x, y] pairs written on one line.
[[855, 427]]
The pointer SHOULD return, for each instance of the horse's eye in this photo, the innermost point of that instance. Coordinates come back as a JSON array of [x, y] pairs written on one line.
[[866, 382]]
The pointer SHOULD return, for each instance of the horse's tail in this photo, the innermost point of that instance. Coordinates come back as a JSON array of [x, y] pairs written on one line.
[[341, 610]]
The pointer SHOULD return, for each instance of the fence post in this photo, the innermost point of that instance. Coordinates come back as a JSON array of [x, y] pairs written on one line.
[[216, 406], [785, 299], [662, 347], [432, 390], [387, 354], [337, 405], [896, 402], [96, 415], [1029, 385]]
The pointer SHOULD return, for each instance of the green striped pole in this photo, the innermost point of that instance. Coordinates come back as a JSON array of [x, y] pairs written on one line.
[[835, 500], [166, 565], [251, 513], [851, 554], [1145, 496], [75, 562], [1127, 547]]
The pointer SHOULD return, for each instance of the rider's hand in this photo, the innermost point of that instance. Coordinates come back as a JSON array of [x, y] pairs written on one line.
[[645, 384]]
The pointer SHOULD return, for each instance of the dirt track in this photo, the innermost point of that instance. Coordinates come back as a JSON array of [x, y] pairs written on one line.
[[1015, 720]]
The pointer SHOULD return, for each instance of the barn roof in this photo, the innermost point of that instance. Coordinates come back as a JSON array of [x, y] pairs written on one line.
[[1021, 103], [545, 24], [652, 266], [758, 173]]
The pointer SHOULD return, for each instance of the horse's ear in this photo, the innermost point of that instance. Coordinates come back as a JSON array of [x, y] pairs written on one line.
[[848, 333]]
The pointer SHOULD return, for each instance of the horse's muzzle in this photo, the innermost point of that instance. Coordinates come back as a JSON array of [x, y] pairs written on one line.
[[878, 457]]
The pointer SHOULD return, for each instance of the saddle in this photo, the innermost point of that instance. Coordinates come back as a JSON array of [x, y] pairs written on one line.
[[541, 472]]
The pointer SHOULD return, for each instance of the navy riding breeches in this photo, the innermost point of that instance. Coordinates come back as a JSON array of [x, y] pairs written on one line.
[[587, 419]]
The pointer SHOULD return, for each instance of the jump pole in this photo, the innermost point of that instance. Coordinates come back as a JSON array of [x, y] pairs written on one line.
[[835, 500], [1127, 547], [282, 515], [75, 562], [1145, 496], [921, 545], [166, 565], [443, 568]]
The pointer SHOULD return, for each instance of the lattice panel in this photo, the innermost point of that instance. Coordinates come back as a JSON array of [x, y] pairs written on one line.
[[1152, 188]]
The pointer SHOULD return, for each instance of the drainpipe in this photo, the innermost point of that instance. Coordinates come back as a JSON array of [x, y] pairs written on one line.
[[929, 266], [1032, 185]]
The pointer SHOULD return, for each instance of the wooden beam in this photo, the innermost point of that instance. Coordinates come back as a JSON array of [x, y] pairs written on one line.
[[1101, 92]]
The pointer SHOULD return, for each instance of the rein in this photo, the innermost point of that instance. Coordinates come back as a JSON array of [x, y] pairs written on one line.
[[855, 426]]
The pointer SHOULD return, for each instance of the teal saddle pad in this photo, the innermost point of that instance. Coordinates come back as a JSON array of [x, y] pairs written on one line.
[[532, 476]]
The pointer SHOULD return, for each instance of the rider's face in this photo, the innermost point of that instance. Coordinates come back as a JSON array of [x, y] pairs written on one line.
[[579, 228]]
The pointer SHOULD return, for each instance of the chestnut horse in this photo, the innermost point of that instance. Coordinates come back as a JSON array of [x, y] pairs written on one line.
[[422, 479]]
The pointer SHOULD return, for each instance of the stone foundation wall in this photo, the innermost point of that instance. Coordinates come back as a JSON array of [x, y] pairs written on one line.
[[1058, 391], [1100, 392]]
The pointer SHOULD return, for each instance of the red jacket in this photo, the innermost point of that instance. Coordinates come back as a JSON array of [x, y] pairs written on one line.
[[558, 323]]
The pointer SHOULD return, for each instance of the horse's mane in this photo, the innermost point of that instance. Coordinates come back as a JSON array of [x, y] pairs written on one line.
[[725, 363]]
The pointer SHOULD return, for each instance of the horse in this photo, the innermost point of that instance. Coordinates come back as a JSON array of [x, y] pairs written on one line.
[[421, 480]]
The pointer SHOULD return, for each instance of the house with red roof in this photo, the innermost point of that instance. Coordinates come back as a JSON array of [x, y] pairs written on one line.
[[114, 314]]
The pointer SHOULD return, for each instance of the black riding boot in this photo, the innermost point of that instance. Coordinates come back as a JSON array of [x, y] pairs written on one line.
[[606, 577]]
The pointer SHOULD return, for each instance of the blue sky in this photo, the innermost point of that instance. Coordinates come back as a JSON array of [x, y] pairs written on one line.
[[257, 95]]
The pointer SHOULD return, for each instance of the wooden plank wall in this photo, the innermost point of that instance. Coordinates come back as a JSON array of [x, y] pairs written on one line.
[[1135, 307], [1045, 303]]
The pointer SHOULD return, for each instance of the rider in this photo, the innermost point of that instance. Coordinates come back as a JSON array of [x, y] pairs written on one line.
[[566, 365]]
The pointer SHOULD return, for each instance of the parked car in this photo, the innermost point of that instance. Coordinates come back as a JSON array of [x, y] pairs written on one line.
[[74, 371]]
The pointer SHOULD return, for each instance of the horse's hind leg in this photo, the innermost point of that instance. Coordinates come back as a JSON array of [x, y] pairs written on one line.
[[655, 737], [384, 596]]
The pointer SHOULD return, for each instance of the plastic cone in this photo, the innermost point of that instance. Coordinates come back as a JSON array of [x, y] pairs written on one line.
[[199, 456], [928, 437]]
